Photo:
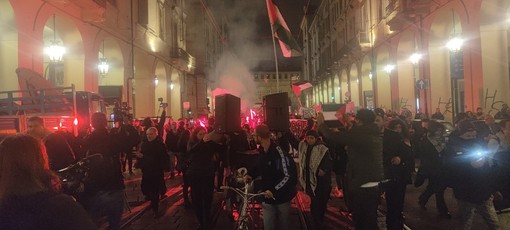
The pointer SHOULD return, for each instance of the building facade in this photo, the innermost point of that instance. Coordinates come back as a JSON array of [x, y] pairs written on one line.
[[142, 41], [409, 54]]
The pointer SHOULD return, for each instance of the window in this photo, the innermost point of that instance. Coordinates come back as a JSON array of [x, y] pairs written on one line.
[[143, 13]]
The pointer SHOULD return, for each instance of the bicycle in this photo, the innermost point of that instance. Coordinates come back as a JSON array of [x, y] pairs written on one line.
[[245, 220]]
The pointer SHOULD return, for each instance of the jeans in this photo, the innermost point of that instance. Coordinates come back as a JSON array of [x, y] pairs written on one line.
[[109, 204], [485, 209], [273, 211]]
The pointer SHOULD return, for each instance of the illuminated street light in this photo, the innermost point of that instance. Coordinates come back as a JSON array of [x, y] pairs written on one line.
[[55, 51], [455, 44], [415, 58], [389, 68], [103, 65]]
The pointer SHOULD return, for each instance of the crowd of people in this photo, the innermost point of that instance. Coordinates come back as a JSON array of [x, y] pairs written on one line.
[[371, 154]]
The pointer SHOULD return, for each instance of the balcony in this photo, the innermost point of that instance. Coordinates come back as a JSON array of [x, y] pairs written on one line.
[[400, 13], [182, 60]]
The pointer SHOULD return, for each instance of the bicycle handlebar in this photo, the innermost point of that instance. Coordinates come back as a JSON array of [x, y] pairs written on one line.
[[242, 193]]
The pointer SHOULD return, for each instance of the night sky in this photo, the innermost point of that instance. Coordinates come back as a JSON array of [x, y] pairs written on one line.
[[250, 33]]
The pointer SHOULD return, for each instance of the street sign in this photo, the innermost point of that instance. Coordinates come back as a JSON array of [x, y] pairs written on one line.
[[422, 84]]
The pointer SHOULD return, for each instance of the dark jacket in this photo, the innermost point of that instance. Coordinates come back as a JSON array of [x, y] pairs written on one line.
[[338, 154], [153, 164], [202, 157], [105, 173], [431, 161], [60, 154], [469, 184], [365, 150], [394, 146], [43, 211], [154, 158], [278, 174], [172, 140]]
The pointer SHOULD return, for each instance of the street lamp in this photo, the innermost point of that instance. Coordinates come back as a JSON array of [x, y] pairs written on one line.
[[456, 71], [388, 68], [415, 59], [55, 51], [455, 44], [103, 65]]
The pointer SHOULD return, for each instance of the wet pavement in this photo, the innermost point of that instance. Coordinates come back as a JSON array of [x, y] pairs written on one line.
[[176, 216]]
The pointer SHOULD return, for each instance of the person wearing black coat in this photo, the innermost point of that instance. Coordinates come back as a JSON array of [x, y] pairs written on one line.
[[472, 175], [430, 151], [104, 187], [171, 143], [365, 145], [153, 162], [398, 165], [203, 154]]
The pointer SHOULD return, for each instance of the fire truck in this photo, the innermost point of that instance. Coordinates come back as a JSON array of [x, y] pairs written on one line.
[[61, 108]]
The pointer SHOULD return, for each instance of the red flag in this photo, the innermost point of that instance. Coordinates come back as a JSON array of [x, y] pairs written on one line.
[[288, 44], [340, 113], [319, 108], [297, 90]]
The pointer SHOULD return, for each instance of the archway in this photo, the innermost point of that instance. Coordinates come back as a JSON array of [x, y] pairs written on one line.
[[384, 68], [337, 93], [367, 92], [71, 70], [112, 52], [161, 87], [8, 48], [354, 86], [344, 86], [174, 99], [406, 80], [441, 82], [495, 42]]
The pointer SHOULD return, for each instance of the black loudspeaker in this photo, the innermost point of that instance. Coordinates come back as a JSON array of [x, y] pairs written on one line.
[[228, 113], [276, 111]]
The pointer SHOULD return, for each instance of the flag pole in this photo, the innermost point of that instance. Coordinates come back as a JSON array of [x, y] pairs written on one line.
[[275, 59]]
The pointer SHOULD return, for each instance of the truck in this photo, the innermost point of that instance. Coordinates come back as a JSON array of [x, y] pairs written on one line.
[[61, 108]]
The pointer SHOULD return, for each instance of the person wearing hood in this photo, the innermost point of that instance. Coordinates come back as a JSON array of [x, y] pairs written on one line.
[[315, 166], [431, 151], [472, 175]]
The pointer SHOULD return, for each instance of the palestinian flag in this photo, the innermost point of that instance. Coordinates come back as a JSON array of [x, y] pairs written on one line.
[[288, 44], [300, 86]]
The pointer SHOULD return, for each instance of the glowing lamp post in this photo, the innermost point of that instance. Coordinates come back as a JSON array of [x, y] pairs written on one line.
[[103, 66], [456, 71], [415, 59]]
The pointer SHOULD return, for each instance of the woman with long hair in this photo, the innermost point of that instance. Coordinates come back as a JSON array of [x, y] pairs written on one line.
[[28, 190], [202, 154]]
